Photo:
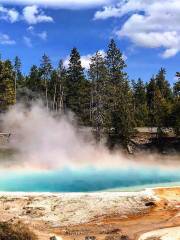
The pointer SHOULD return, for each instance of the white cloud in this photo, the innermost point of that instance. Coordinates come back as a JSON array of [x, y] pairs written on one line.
[[170, 52], [33, 15], [42, 35], [30, 29], [10, 15], [107, 12], [6, 40], [68, 4], [150, 23], [27, 41], [85, 59], [13, 15]]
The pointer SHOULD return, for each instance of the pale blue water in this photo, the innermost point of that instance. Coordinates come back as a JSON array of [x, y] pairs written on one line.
[[86, 180]]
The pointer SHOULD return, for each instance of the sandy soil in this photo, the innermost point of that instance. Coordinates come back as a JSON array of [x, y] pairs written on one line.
[[147, 215]]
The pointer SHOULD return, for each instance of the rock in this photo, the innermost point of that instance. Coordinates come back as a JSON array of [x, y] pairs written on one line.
[[90, 238], [53, 238], [150, 204]]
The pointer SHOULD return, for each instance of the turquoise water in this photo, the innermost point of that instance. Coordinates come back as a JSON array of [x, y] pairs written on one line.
[[86, 180]]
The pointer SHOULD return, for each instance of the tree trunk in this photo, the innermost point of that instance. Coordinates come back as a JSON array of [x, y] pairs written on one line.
[[54, 98], [46, 95]]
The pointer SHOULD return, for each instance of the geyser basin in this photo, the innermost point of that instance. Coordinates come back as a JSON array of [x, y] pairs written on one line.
[[86, 180]]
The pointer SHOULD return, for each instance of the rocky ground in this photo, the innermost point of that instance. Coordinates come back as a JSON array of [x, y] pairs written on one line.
[[146, 215]]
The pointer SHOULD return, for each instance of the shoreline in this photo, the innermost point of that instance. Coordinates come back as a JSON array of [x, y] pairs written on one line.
[[71, 193], [123, 190]]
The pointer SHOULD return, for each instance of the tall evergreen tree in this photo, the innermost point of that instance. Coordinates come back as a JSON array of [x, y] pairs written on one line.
[[175, 115], [177, 85], [58, 88], [166, 98], [152, 103], [46, 71], [7, 87], [98, 78], [140, 103], [159, 100], [120, 96], [34, 82], [78, 99], [62, 87], [19, 80], [163, 85], [115, 64]]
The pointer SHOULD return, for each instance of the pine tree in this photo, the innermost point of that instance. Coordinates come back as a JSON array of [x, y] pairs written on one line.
[[166, 98], [34, 82], [175, 115], [2, 87], [61, 86], [58, 88], [98, 78], [53, 90], [152, 103], [115, 64], [119, 96], [7, 87], [17, 69], [78, 99], [19, 79], [140, 103], [177, 85], [163, 85], [159, 100], [46, 71]]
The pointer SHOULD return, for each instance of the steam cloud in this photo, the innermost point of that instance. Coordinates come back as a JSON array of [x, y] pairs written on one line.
[[45, 141]]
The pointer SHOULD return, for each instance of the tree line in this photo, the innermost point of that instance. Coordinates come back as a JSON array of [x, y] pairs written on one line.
[[102, 97]]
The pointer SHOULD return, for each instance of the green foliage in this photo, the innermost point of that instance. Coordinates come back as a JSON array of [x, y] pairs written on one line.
[[101, 97], [159, 100], [46, 71], [140, 103], [17, 70], [163, 85], [78, 98], [115, 63], [7, 85], [34, 81], [175, 115], [177, 86], [58, 88], [98, 112], [120, 101]]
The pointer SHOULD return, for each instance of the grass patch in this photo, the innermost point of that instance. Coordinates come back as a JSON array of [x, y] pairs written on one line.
[[17, 231]]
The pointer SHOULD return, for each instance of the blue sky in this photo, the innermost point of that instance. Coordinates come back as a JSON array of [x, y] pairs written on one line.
[[147, 32]]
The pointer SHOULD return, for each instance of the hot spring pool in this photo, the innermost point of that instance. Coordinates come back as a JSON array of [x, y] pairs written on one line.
[[86, 180]]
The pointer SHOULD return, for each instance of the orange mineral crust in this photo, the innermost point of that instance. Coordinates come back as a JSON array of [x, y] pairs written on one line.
[[149, 214]]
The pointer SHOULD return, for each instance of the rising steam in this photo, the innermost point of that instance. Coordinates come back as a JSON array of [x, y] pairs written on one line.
[[45, 141]]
